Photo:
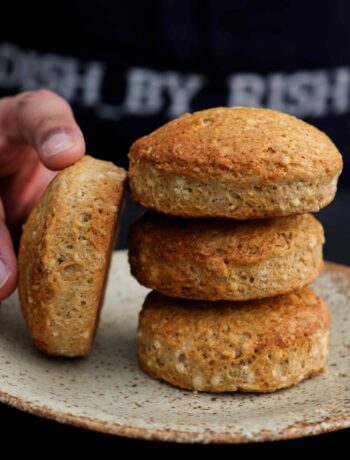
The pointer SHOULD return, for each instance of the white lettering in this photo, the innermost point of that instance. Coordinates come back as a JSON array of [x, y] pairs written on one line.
[[340, 93], [147, 91], [29, 64], [276, 83], [144, 92], [307, 93], [313, 93], [246, 90], [29, 70], [181, 90], [91, 83], [9, 68]]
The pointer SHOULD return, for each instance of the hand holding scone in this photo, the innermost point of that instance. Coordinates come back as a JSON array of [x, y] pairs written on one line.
[[38, 135]]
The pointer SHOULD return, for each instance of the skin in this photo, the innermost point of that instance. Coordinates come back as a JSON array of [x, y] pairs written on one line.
[[27, 121]]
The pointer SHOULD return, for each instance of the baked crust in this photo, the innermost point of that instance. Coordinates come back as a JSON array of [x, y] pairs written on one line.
[[64, 255], [225, 260], [261, 346], [251, 145], [237, 162]]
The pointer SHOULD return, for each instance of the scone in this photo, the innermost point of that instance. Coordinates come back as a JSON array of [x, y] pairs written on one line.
[[225, 259], [238, 162], [64, 255], [259, 346]]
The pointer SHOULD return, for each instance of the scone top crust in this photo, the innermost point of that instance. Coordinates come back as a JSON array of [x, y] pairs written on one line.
[[276, 321], [250, 145], [242, 243]]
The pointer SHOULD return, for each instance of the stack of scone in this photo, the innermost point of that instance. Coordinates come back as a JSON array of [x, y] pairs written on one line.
[[230, 259]]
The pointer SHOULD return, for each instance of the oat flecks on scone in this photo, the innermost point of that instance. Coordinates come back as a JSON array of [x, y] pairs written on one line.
[[258, 346], [64, 255], [223, 259], [240, 162]]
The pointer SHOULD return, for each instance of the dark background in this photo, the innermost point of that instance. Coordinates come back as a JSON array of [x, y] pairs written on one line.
[[62, 46], [28, 433]]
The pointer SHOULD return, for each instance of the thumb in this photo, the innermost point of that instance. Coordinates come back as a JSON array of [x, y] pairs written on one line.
[[46, 122]]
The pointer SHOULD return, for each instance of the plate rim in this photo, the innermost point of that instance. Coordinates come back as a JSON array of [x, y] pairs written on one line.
[[295, 430]]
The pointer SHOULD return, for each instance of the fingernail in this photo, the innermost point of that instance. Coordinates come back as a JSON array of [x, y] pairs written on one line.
[[57, 142], [5, 273]]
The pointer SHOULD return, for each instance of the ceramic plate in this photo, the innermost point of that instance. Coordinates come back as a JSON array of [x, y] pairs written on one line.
[[107, 392]]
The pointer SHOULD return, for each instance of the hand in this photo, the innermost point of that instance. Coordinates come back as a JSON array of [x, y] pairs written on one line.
[[38, 136]]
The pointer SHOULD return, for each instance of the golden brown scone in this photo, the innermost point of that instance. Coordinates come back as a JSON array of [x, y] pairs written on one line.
[[260, 345], [238, 162], [223, 259], [64, 255]]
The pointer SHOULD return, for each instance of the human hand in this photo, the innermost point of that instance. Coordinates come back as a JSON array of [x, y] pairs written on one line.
[[38, 136]]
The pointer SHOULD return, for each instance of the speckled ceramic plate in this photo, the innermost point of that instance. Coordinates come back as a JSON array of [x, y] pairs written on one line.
[[107, 392]]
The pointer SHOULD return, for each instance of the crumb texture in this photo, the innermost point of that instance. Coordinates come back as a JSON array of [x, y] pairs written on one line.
[[191, 197], [258, 346], [64, 255]]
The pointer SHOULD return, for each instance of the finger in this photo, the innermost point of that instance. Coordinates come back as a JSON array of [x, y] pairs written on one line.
[[46, 122], [8, 264], [21, 191]]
